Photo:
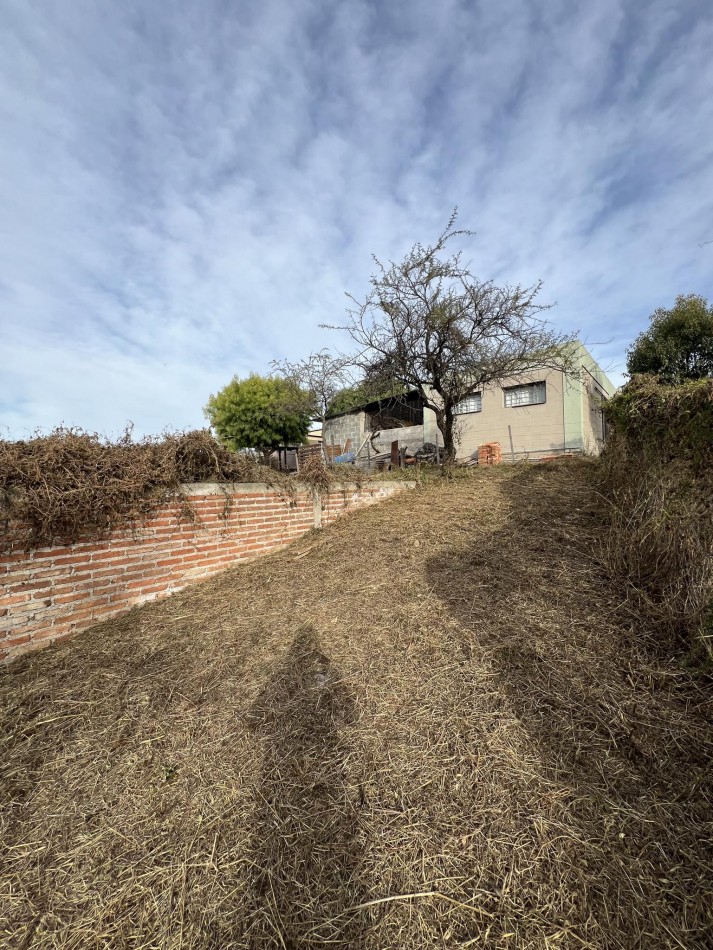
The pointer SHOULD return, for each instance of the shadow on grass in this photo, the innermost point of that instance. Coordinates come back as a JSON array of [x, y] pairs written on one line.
[[612, 727], [304, 853]]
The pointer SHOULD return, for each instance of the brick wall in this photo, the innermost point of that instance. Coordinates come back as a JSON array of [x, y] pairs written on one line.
[[51, 593]]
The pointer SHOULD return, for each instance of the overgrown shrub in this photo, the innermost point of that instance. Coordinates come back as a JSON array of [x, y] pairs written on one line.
[[661, 422], [657, 475], [73, 484]]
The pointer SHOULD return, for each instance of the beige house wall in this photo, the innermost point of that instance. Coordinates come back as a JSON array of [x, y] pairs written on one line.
[[570, 419], [522, 431]]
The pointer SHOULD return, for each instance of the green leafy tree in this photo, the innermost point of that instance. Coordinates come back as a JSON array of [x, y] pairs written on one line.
[[679, 343], [351, 397], [260, 413]]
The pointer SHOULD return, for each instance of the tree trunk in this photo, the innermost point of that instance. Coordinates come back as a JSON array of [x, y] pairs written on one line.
[[445, 419], [449, 444]]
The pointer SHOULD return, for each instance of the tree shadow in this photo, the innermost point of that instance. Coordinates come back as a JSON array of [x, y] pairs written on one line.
[[627, 751], [530, 598], [305, 852]]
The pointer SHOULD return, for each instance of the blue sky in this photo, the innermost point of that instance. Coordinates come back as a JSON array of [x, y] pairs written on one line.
[[188, 189]]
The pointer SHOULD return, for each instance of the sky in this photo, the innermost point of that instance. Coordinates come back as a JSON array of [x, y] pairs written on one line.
[[188, 189]]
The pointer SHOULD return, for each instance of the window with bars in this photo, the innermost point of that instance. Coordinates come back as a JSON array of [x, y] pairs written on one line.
[[472, 403], [530, 394]]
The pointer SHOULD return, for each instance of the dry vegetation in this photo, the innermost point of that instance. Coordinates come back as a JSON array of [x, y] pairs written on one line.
[[657, 475], [661, 542], [71, 485], [434, 724]]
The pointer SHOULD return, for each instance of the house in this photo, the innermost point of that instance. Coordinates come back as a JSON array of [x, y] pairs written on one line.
[[539, 414]]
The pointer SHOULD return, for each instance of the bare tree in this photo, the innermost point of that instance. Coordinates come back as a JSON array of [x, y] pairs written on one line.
[[322, 374], [429, 324]]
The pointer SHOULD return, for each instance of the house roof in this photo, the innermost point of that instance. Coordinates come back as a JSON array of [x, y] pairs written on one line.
[[377, 404]]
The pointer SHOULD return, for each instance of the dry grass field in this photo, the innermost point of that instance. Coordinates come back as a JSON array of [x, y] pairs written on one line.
[[434, 724]]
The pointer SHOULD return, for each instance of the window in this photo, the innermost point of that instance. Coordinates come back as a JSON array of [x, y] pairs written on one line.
[[472, 403], [531, 394]]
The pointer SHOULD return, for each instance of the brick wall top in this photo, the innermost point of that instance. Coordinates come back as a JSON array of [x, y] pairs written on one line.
[[199, 489]]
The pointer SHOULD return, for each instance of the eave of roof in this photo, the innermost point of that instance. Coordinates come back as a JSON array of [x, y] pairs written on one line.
[[413, 396]]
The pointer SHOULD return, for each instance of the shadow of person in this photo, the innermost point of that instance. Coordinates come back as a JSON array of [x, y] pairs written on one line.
[[304, 852]]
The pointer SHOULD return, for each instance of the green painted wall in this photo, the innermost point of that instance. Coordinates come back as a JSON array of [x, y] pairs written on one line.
[[576, 400], [595, 369], [572, 407]]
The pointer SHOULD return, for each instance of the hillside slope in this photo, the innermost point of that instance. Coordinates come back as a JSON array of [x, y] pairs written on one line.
[[434, 724]]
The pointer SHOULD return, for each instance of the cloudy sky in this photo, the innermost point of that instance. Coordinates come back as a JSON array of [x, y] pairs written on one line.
[[187, 189]]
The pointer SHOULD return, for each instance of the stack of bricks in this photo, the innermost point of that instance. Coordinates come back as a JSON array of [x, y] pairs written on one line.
[[490, 453]]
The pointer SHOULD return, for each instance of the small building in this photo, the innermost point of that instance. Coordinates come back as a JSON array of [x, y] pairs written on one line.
[[540, 414], [371, 428]]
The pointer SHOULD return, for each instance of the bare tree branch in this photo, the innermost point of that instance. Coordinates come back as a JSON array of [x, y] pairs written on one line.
[[321, 374], [428, 324]]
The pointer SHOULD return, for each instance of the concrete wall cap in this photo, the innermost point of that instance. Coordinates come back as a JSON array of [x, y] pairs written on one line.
[[198, 489]]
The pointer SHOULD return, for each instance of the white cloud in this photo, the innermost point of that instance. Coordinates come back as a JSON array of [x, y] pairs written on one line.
[[187, 191]]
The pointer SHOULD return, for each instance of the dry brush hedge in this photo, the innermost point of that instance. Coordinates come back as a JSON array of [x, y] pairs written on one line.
[[658, 476], [664, 423], [71, 484]]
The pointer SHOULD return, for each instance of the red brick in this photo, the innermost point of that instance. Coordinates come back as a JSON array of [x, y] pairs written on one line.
[[41, 554], [147, 583], [72, 598], [15, 599], [44, 633], [152, 589], [112, 572], [15, 641], [29, 585], [170, 561], [113, 554], [63, 636], [62, 559]]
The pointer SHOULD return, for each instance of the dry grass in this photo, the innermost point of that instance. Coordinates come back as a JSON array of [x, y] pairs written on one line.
[[657, 474], [431, 725], [660, 541]]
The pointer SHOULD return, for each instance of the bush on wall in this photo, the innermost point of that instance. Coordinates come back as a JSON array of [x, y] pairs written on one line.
[[73, 484], [665, 421]]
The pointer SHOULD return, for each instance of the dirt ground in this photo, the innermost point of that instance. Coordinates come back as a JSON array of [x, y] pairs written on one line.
[[434, 724]]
